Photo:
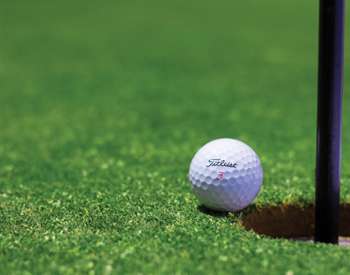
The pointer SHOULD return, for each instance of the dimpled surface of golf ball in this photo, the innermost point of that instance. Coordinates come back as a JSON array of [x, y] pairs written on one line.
[[226, 175]]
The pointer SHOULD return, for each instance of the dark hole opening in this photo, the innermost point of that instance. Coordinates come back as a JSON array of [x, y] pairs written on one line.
[[292, 222]]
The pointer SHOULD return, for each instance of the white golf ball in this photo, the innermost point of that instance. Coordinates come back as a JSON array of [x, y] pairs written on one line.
[[226, 175]]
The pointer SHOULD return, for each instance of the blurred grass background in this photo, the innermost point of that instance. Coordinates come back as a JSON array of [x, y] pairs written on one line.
[[104, 104]]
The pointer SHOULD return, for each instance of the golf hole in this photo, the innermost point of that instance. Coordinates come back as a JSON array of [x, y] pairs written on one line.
[[293, 222]]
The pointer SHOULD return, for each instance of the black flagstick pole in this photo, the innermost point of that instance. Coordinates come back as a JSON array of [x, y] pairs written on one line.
[[330, 85]]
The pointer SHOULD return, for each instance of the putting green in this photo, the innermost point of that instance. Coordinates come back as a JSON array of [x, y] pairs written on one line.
[[103, 106]]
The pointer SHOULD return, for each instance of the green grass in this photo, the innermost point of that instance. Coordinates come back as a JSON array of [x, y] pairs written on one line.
[[102, 108]]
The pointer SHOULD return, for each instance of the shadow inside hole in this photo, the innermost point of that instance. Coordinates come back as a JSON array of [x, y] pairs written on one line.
[[291, 221]]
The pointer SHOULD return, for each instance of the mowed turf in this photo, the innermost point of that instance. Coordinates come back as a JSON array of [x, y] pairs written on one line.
[[103, 105]]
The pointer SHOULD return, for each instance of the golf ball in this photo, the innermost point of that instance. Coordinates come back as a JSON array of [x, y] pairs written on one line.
[[226, 175]]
